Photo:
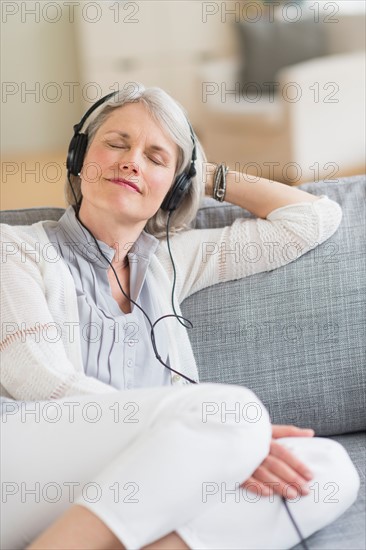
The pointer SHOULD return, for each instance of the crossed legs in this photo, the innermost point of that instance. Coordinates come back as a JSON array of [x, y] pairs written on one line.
[[147, 462]]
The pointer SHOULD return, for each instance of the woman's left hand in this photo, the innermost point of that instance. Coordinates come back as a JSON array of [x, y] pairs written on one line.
[[284, 430], [281, 472]]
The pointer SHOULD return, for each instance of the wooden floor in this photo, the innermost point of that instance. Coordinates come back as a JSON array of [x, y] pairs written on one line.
[[33, 180]]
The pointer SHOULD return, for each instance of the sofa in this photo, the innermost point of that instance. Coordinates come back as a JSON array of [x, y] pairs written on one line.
[[294, 335]]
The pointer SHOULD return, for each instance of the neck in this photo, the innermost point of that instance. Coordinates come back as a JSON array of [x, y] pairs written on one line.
[[114, 233]]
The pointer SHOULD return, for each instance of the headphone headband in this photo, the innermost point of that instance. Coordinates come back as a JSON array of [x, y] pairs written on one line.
[[95, 106]]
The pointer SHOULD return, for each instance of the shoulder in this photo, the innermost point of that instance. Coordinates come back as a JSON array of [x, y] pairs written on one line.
[[19, 233], [179, 243], [181, 238], [22, 245]]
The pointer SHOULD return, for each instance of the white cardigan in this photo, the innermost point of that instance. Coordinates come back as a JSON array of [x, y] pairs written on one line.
[[40, 340]]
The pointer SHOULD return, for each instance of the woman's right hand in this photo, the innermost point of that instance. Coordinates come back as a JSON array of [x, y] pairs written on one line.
[[281, 472]]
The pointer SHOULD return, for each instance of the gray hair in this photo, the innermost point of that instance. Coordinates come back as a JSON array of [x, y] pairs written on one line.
[[172, 118]]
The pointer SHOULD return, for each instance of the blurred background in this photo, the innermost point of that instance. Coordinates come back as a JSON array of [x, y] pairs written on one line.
[[274, 89]]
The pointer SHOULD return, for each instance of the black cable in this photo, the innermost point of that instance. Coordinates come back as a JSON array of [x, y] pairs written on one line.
[[174, 272], [295, 525], [152, 334]]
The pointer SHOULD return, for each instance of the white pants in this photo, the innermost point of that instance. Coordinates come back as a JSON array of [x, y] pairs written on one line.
[[152, 461]]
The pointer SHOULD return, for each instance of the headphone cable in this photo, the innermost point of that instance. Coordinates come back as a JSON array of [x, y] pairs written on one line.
[[152, 334], [295, 524]]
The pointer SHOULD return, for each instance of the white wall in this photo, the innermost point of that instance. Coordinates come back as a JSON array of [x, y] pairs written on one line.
[[36, 52], [158, 43]]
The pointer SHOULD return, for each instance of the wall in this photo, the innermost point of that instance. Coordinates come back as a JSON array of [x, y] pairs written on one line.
[[39, 65], [38, 59]]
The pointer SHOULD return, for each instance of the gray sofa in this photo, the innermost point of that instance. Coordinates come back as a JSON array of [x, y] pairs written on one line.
[[294, 335]]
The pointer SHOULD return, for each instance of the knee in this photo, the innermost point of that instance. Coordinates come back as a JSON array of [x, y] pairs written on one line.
[[336, 481], [232, 405], [229, 412], [224, 404], [346, 477]]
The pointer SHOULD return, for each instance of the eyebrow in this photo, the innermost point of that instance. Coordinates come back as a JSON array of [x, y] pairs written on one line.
[[154, 147]]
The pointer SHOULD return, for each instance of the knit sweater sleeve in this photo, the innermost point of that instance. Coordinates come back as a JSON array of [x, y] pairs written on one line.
[[34, 362], [204, 257]]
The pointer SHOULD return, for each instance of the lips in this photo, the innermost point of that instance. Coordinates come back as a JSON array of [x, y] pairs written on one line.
[[123, 182]]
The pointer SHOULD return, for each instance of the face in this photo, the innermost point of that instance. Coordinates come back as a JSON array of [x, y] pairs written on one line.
[[129, 166]]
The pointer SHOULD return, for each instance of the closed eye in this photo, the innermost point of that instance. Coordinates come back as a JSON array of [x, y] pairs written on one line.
[[156, 161], [152, 159]]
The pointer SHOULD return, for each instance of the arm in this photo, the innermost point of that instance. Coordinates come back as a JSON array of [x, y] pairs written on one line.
[[206, 257], [259, 197], [34, 362]]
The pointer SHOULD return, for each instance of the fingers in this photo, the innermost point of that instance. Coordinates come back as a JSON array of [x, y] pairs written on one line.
[[255, 486], [268, 488], [283, 430], [281, 472], [279, 451], [284, 484]]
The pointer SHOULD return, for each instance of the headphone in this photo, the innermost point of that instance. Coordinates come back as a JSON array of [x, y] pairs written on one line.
[[79, 143], [174, 198]]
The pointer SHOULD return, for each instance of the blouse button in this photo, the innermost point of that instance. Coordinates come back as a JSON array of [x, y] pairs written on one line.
[[176, 378], [131, 342], [129, 363]]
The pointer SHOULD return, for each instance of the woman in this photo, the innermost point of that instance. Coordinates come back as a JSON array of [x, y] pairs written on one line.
[[159, 460]]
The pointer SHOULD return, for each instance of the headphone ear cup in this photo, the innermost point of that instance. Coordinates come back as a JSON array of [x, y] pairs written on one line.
[[76, 153], [177, 193]]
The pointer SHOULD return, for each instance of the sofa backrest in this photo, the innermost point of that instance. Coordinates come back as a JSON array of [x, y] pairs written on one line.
[[27, 216]]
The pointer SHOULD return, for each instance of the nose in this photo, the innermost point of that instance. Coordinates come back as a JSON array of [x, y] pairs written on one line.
[[129, 161], [129, 167]]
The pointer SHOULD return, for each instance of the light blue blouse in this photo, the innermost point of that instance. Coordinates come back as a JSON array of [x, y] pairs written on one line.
[[116, 347]]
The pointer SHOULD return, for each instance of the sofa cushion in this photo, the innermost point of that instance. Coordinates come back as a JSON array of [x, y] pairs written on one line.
[[294, 335], [266, 46]]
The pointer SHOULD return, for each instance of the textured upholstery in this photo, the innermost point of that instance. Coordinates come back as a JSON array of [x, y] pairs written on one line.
[[27, 216]]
